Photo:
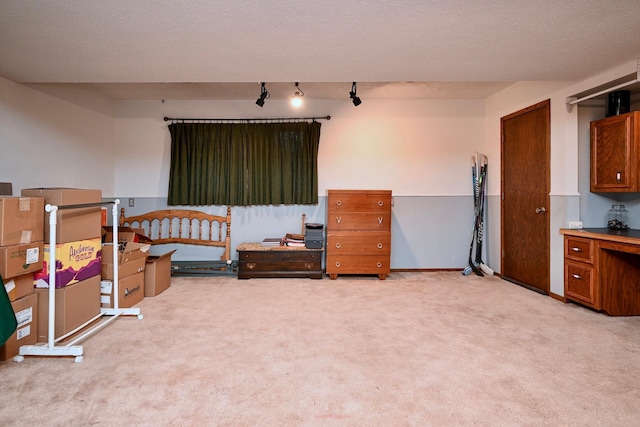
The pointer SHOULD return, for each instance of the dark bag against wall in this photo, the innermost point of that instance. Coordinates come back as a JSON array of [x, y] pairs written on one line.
[[8, 322]]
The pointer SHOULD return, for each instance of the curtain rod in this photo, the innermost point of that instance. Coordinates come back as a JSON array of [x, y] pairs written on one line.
[[283, 119]]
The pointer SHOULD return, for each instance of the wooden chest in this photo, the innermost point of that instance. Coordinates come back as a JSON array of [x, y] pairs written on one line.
[[358, 232], [256, 260]]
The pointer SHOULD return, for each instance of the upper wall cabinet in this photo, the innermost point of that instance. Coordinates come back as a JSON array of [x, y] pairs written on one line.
[[615, 154]]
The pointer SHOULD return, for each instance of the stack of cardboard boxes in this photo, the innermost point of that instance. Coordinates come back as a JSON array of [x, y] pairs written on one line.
[[136, 266], [21, 254], [78, 259], [84, 263], [131, 261]]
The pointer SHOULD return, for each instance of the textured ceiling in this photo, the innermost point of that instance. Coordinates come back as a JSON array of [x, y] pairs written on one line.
[[444, 45]]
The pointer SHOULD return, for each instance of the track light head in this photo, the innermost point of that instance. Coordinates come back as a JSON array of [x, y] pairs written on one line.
[[264, 94], [354, 98]]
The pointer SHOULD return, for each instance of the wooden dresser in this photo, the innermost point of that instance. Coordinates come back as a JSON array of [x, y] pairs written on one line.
[[358, 232], [602, 270]]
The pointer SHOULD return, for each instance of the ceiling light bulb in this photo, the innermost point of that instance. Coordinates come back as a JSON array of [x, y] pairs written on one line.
[[296, 101]]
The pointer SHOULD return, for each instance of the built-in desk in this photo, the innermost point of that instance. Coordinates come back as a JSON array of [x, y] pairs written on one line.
[[602, 269]]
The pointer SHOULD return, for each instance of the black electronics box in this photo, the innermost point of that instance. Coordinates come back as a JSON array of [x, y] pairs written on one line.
[[5, 189], [314, 236]]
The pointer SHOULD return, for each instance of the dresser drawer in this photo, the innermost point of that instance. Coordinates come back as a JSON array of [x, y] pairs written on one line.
[[579, 249], [339, 201], [361, 221], [365, 243], [580, 284], [357, 264]]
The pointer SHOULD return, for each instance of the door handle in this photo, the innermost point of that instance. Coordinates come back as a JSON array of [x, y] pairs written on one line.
[[541, 210]]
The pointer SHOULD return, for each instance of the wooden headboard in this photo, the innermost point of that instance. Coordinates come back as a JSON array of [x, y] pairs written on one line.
[[184, 226]]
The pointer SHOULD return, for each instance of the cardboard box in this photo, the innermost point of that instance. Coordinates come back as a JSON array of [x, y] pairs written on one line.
[[128, 251], [19, 286], [16, 260], [75, 305], [26, 309], [21, 220], [130, 291], [72, 224], [124, 270], [131, 259], [126, 234], [75, 261], [157, 274]]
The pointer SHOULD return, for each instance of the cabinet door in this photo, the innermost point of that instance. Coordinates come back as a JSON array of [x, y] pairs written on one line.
[[613, 152]]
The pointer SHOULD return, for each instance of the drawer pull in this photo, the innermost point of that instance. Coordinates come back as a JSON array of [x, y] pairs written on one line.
[[576, 276], [380, 203], [338, 203], [576, 249], [338, 219], [338, 264], [378, 264], [379, 245], [618, 176], [338, 245], [380, 220]]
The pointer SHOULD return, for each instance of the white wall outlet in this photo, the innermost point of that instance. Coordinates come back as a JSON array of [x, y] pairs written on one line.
[[576, 225]]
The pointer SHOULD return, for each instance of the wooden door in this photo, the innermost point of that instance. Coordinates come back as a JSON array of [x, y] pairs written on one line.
[[525, 180]]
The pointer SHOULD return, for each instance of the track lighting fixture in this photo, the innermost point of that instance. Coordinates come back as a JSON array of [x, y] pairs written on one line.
[[296, 101], [354, 98], [264, 94]]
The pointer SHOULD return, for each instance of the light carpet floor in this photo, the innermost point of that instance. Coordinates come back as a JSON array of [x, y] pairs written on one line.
[[418, 349]]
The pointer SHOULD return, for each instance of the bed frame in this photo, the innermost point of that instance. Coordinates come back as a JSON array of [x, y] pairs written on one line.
[[184, 226]]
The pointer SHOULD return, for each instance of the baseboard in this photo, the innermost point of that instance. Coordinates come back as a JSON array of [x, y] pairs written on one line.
[[422, 270]]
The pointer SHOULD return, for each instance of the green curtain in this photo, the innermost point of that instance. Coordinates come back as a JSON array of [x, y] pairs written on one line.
[[8, 322], [244, 164]]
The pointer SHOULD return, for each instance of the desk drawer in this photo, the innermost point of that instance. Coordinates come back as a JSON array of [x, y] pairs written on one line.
[[580, 284], [578, 249]]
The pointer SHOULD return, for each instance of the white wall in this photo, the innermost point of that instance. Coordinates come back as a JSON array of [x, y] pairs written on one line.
[[55, 139], [419, 149], [413, 147]]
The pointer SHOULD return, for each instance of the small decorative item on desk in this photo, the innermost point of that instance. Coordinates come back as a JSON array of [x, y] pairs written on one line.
[[618, 218]]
